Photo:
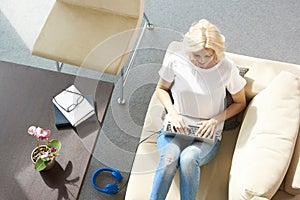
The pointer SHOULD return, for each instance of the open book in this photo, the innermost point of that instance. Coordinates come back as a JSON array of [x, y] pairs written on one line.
[[73, 105]]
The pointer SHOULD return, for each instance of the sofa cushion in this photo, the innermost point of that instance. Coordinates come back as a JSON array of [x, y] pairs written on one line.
[[266, 140], [258, 198], [153, 120], [214, 175]]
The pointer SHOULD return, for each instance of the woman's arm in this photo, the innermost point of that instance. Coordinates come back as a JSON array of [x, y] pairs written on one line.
[[207, 127], [239, 104], [162, 89], [164, 97]]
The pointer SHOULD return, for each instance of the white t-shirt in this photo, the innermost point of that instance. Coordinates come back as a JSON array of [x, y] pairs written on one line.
[[199, 92]]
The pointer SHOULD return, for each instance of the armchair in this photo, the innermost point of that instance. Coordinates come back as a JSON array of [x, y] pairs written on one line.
[[93, 34]]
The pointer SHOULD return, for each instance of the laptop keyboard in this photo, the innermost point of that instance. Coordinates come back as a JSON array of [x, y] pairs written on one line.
[[192, 129], [191, 134]]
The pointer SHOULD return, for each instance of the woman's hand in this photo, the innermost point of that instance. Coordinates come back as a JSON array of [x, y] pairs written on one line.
[[207, 128], [178, 124]]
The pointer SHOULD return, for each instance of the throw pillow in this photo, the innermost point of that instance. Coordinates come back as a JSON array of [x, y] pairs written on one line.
[[266, 140], [292, 178], [234, 121]]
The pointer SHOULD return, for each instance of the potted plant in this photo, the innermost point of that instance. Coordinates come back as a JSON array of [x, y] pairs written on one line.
[[43, 156]]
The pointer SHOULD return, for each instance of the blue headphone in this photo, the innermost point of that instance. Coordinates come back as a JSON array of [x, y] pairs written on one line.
[[109, 188]]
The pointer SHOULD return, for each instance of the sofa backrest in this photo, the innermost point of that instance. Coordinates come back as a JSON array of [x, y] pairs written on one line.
[[131, 8], [261, 71]]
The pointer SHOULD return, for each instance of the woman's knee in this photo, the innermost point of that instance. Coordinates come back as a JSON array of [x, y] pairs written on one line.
[[189, 156], [169, 155]]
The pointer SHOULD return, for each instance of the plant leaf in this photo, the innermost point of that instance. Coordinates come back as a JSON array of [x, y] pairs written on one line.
[[39, 165], [55, 143]]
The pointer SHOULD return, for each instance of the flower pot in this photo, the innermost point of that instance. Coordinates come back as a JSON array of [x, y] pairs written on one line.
[[36, 153]]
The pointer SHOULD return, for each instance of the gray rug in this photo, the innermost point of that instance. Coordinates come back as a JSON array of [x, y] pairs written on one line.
[[264, 29]]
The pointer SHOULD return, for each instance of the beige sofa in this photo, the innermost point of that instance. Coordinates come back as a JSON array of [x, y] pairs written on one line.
[[219, 180]]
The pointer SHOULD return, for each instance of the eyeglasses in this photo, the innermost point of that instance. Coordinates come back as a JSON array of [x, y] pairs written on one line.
[[73, 105]]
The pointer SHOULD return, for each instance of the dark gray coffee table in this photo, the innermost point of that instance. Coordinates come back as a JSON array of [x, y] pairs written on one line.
[[25, 99]]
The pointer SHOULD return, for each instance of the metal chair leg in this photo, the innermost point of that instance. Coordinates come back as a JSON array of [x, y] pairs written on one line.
[[121, 99], [124, 76], [150, 26], [59, 65]]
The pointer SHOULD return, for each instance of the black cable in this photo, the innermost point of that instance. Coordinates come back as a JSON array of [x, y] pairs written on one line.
[[149, 136]]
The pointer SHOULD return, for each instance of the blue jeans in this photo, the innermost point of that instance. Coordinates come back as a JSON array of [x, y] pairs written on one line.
[[188, 156]]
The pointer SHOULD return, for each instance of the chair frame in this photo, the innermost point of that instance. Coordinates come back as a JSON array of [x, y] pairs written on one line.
[[124, 75]]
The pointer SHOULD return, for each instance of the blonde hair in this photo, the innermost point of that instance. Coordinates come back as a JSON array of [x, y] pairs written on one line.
[[203, 34]]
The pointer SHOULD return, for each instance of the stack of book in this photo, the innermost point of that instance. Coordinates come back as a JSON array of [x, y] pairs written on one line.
[[72, 108]]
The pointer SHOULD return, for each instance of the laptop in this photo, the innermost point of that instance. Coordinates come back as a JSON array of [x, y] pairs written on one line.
[[193, 128]]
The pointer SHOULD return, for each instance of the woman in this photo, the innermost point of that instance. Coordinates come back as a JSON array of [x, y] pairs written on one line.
[[197, 77]]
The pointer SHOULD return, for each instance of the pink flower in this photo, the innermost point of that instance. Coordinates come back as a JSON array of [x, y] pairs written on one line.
[[45, 155], [42, 134], [53, 149], [32, 130]]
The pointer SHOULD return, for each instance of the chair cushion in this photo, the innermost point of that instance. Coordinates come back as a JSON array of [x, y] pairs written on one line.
[[87, 38], [128, 8], [266, 140]]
